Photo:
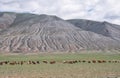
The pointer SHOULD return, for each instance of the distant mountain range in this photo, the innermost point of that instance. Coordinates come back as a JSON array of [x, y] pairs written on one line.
[[24, 32]]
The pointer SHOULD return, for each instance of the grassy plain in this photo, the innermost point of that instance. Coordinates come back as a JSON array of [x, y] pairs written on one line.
[[60, 70]]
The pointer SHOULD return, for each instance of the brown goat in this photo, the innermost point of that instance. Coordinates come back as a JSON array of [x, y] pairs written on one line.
[[52, 62], [99, 61], [89, 61], [103, 61], [45, 62], [80, 61], [33, 62], [12, 63], [109, 61], [83, 61], [37, 62], [94, 61], [1, 63]]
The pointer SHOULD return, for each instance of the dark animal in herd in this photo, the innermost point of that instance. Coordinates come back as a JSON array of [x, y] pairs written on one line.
[[54, 62], [45, 62], [70, 62]]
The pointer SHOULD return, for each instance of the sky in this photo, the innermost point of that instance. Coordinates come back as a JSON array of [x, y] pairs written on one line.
[[99, 10]]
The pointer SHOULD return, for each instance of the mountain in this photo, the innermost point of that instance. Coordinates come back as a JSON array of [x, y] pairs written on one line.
[[103, 28], [25, 32]]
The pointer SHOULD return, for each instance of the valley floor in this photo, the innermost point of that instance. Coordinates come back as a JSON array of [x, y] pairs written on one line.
[[59, 69]]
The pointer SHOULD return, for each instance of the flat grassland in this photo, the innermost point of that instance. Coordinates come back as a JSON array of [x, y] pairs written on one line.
[[60, 70]]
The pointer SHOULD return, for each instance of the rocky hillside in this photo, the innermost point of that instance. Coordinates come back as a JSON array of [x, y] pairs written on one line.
[[45, 33], [103, 28]]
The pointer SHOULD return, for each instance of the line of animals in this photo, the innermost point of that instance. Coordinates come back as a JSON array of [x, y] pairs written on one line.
[[54, 62]]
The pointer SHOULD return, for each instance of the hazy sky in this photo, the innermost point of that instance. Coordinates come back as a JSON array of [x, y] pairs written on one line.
[[101, 10]]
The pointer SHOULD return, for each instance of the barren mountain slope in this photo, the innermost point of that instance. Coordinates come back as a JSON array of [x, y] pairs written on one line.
[[104, 28], [45, 33]]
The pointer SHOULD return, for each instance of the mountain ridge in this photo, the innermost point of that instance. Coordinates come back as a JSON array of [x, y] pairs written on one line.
[[104, 28], [47, 33]]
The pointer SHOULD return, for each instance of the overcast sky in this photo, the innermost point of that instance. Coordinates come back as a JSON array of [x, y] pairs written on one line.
[[100, 10]]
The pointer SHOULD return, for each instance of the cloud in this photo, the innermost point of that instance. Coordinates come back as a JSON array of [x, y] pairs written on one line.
[[100, 10]]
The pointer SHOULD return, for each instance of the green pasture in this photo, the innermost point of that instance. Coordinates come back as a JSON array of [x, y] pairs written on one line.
[[60, 70]]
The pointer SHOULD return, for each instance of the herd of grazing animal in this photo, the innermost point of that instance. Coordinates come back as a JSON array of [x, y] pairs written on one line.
[[54, 62]]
